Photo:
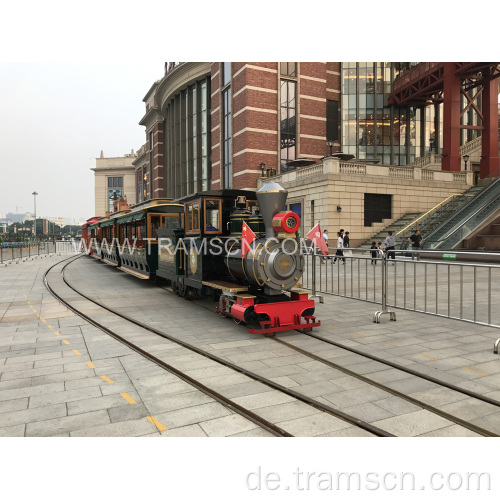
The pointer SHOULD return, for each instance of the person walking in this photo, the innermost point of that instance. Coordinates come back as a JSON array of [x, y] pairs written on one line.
[[374, 252], [325, 237], [415, 239], [348, 252], [389, 245], [340, 245]]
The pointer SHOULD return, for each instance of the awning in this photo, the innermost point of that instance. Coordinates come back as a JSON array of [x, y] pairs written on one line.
[[132, 217], [107, 223], [139, 215]]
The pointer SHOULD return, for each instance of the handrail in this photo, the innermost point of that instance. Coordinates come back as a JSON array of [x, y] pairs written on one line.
[[426, 213], [461, 223]]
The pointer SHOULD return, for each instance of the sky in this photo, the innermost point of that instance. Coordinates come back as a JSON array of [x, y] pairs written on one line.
[[56, 117], [62, 101]]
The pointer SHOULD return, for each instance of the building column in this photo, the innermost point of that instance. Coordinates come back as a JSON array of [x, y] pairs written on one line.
[[451, 119], [489, 153]]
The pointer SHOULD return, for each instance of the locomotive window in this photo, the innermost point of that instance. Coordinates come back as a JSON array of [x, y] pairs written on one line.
[[212, 216], [193, 216]]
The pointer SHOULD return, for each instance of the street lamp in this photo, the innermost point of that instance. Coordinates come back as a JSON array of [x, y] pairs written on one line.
[[466, 159], [330, 145], [262, 167], [34, 193]]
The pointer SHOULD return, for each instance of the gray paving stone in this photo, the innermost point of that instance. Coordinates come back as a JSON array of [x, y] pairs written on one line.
[[451, 431], [127, 428], [92, 404], [13, 431], [68, 424], [32, 415], [193, 430], [130, 412], [64, 397], [313, 425], [177, 401], [227, 426], [412, 424], [351, 431], [192, 415], [30, 391], [13, 405], [286, 411]]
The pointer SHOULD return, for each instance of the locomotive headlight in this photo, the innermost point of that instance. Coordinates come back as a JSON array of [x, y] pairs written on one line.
[[288, 222]]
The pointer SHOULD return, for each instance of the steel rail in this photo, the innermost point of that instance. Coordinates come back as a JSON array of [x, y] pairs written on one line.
[[253, 417], [305, 399], [433, 409]]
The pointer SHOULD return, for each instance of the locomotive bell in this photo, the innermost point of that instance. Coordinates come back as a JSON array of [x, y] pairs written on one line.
[[272, 198]]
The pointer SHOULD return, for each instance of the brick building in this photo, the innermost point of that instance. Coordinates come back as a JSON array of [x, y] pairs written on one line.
[[220, 125]]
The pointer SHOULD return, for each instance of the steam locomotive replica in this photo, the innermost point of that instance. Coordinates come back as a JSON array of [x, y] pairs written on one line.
[[196, 245]]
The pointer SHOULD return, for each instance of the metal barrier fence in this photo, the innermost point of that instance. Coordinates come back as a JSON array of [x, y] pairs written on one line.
[[11, 252], [458, 285]]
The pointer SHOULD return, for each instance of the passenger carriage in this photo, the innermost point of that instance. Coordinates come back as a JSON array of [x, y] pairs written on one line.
[[137, 238]]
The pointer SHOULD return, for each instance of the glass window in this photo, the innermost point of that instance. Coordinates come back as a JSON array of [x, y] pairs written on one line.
[[212, 215], [193, 216], [226, 139], [288, 69], [226, 73], [288, 123]]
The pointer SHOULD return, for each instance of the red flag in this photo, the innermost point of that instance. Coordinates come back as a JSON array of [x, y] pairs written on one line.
[[247, 236], [316, 236]]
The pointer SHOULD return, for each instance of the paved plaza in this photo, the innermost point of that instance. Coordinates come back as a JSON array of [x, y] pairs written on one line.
[[60, 376]]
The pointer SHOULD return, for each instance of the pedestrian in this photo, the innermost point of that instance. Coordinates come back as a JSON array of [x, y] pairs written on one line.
[[374, 251], [325, 237], [415, 240], [389, 245], [339, 253], [347, 253]]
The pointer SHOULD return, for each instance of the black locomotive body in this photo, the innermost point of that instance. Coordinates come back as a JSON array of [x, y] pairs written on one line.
[[255, 284]]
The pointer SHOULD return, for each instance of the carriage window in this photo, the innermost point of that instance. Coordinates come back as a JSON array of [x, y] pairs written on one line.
[[155, 224], [212, 215], [141, 229]]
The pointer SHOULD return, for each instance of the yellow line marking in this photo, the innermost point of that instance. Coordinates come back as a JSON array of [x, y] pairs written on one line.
[[475, 371], [49, 326], [392, 345], [57, 333], [159, 425], [90, 364], [127, 398], [427, 356], [107, 379], [38, 315], [354, 333], [78, 353], [332, 326], [66, 342], [29, 302], [43, 320]]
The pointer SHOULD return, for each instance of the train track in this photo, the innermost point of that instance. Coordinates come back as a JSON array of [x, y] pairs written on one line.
[[373, 429], [270, 427], [417, 402]]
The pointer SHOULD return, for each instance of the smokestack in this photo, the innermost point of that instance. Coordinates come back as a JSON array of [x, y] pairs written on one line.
[[272, 198]]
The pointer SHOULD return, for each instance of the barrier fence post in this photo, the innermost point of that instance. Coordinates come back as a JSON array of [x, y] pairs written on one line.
[[313, 285], [1, 254], [392, 314]]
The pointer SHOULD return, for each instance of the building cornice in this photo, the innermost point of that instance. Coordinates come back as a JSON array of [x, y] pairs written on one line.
[[179, 78]]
